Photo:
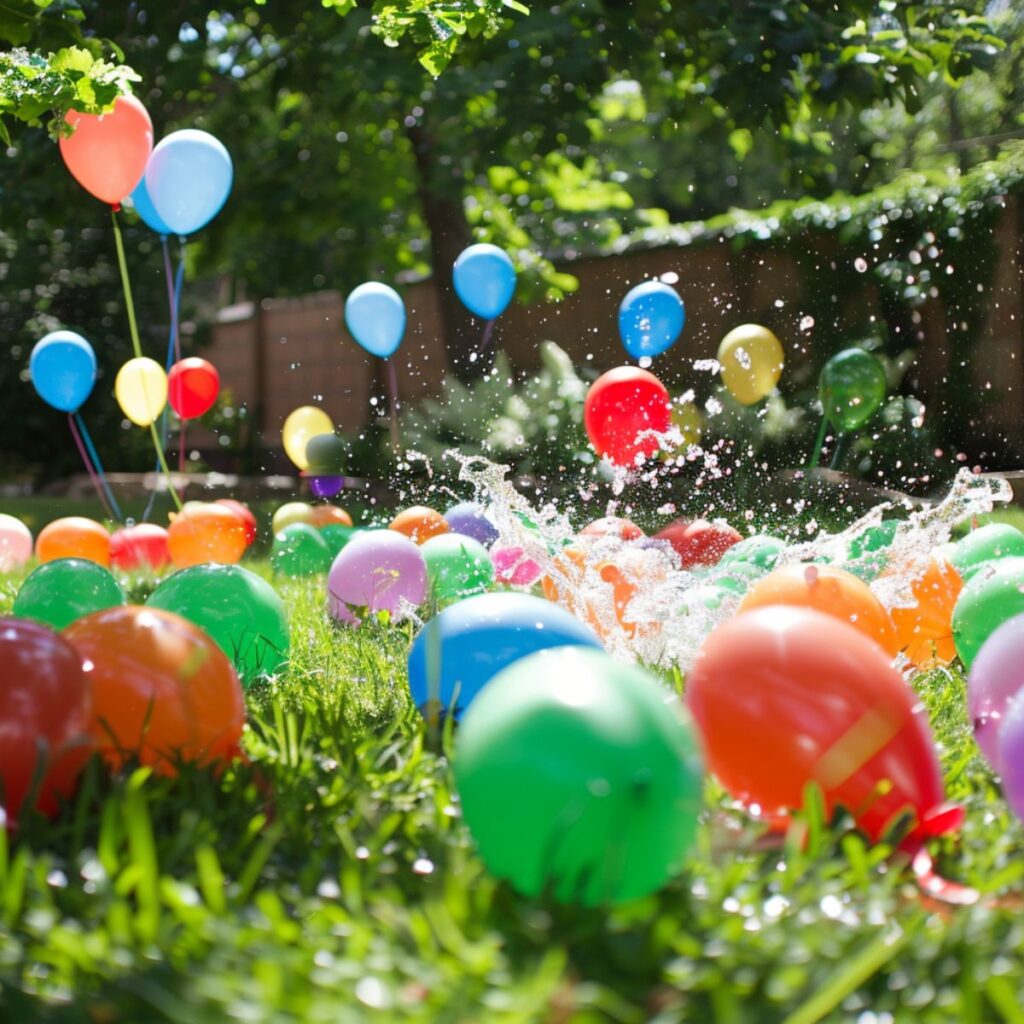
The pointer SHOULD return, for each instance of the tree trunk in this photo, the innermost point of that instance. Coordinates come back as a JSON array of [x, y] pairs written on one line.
[[441, 203]]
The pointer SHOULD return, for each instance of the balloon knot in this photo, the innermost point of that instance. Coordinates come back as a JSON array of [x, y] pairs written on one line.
[[116, 207]]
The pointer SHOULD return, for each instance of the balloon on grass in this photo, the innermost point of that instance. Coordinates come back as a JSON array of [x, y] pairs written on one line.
[[162, 691], [470, 520], [851, 388], [419, 523], [761, 550], [329, 515], [924, 630], [460, 650], [63, 370], [299, 551], [375, 317], [245, 514], [699, 542], [377, 570], [624, 412], [141, 390], [193, 385], [485, 280], [107, 154], [577, 778], [1011, 754], [996, 677], [751, 360], [291, 512], [336, 536], [987, 601], [788, 696], [240, 610], [15, 543], [59, 592], [45, 717], [457, 567], [651, 318], [206, 532], [74, 537], [143, 546], [512, 566], [302, 424], [613, 526], [325, 459], [188, 179], [985, 544]]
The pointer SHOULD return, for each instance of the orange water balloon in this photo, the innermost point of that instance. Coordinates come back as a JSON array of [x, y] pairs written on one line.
[[419, 523], [924, 632], [827, 589], [74, 537], [330, 515], [162, 690], [206, 533]]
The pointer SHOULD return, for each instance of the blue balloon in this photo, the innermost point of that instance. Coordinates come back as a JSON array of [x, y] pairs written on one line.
[[188, 179], [651, 318], [459, 651], [375, 317], [468, 519], [485, 280], [63, 370], [144, 208]]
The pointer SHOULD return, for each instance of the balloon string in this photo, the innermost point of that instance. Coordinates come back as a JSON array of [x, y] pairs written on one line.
[[88, 466], [485, 341], [819, 443], [126, 284], [393, 402], [841, 446], [181, 448], [163, 465], [99, 465], [96, 474]]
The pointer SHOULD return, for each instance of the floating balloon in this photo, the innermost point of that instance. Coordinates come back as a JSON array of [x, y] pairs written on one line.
[[576, 777], [107, 153], [377, 570], [612, 526], [988, 600], [304, 423], [1011, 754], [141, 390], [192, 387], [188, 179], [63, 370], [162, 690], [45, 710], [59, 592], [851, 387], [651, 318], [143, 206], [457, 567], [143, 546], [470, 520], [325, 454], [245, 514], [485, 280], [241, 611], [375, 317], [827, 589], [512, 566], [15, 543], [751, 358], [924, 631], [997, 676], [699, 542], [206, 533], [74, 537], [291, 512], [419, 523], [299, 550], [761, 550], [624, 411], [985, 544], [787, 696]]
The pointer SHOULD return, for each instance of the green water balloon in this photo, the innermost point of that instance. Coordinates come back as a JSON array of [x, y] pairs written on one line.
[[299, 550], [991, 597], [761, 550], [336, 536], [61, 591], [735, 577], [241, 611], [851, 388], [457, 567], [576, 778], [993, 541]]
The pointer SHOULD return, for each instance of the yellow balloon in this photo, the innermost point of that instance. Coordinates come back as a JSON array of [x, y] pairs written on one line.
[[291, 512], [751, 358], [304, 423], [141, 390], [686, 418]]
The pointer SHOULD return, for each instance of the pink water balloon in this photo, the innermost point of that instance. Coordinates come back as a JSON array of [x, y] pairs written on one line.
[[512, 566], [377, 570], [997, 676], [15, 543]]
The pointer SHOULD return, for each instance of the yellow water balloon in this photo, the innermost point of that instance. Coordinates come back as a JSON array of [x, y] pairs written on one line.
[[751, 358], [141, 390], [687, 419], [305, 422]]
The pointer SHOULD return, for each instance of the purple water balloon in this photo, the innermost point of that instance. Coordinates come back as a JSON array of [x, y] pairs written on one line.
[[1011, 754], [324, 485], [378, 570], [469, 519], [997, 676]]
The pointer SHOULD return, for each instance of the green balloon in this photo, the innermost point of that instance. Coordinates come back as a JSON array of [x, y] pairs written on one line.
[[996, 540], [990, 598], [851, 387], [299, 550], [61, 591], [238, 609], [576, 777], [735, 577], [874, 538], [762, 550], [336, 536], [706, 595], [325, 454], [457, 567]]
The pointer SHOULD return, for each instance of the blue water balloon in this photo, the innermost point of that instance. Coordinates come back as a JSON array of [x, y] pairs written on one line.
[[63, 370], [651, 318], [188, 179], [375, 317], [485, 280], [459, 651], [144, 207]]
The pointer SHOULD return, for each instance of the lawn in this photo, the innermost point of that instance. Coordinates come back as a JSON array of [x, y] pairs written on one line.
[[331, 879]]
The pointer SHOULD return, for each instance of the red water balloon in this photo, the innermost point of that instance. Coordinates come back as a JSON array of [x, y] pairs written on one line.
[[624, 409], [785, 696], [192, 387], [139, 547], [45, 712], [699, 542], [612, 526]]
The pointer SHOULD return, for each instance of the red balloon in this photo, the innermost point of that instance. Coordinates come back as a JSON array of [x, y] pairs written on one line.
[[612, 526], [45, 710], [192, 387], [620, 407], [699, 542], [107, 153], [785, 696], [245, 514], [139, 547]]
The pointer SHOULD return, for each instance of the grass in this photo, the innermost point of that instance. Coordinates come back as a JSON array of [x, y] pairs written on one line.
[[332, 880]]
